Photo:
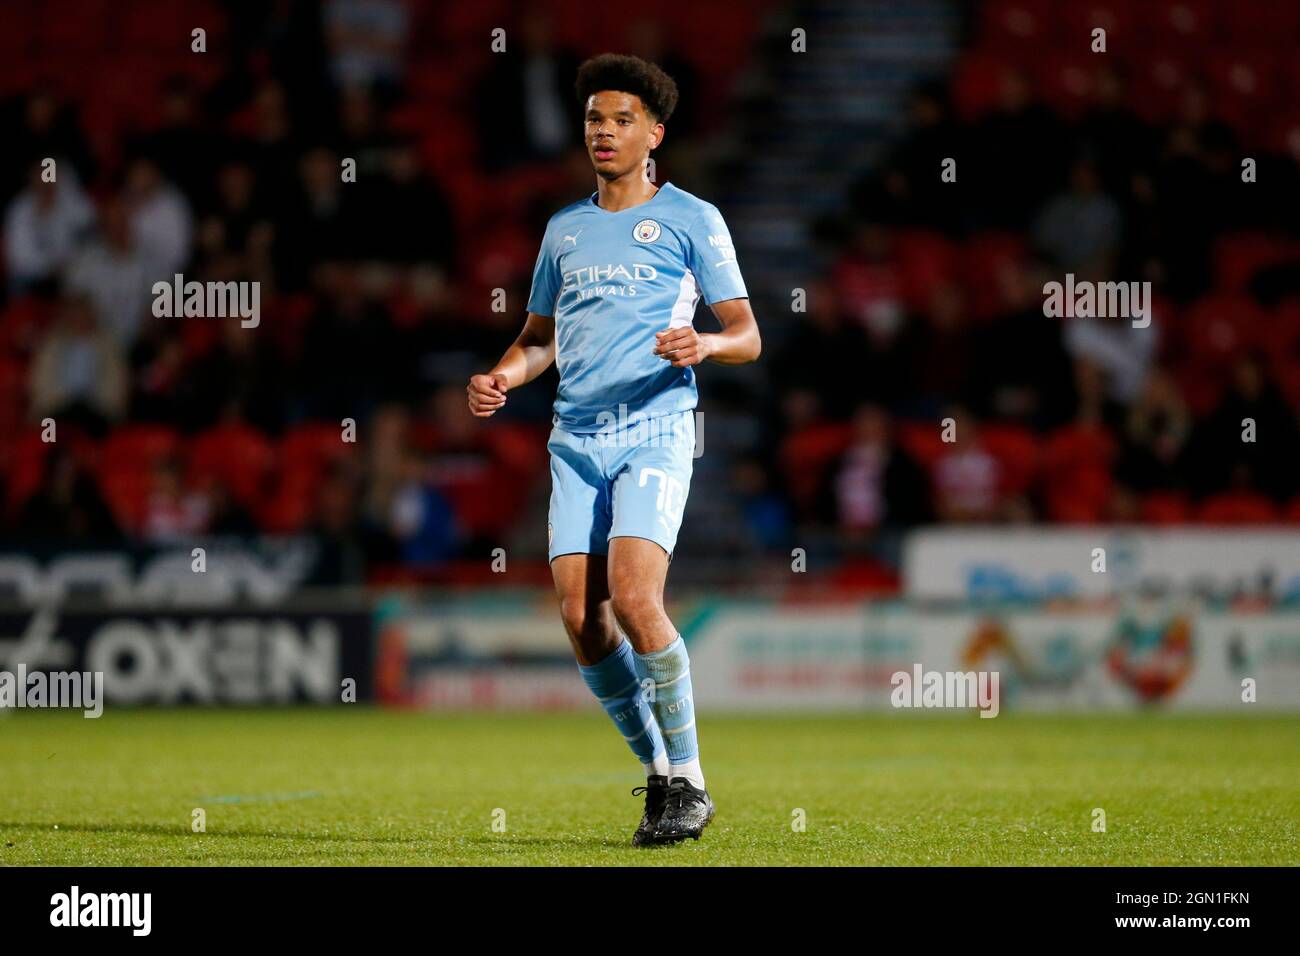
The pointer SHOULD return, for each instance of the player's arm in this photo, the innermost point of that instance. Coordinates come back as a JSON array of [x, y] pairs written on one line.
[[736, 344], [531, 354]]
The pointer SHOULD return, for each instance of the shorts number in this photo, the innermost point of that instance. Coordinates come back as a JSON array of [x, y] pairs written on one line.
[[672, 493]]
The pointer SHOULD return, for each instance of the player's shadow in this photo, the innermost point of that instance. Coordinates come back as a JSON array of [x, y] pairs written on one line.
[[160, 829]]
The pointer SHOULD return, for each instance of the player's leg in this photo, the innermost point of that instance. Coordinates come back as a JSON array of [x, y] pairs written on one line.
[[650, 492], [578, 526]]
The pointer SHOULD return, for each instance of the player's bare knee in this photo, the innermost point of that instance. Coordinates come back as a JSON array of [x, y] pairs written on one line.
[[636, 608]]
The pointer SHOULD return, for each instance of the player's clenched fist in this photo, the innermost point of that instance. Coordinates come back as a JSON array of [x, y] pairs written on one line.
[[681, 347], [487, 393]]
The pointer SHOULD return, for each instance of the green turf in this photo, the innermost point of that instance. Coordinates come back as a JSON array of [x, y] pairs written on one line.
[[358, 786]]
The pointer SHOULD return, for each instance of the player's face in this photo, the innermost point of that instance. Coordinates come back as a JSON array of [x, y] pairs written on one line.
[[619, 133]]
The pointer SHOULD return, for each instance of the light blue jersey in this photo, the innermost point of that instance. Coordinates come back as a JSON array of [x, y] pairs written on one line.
[[614, 279]]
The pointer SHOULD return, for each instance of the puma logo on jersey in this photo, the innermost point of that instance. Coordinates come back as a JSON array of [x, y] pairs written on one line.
[[574, 238]]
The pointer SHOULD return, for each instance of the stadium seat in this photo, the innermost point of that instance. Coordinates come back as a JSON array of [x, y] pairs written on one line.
[[1188, 25], [237, 455], [1165, 508], [1076, 478], [1011, 26], [1016, 451], [805, 455], [1237, 508], [1238, 256], [1220, 327]]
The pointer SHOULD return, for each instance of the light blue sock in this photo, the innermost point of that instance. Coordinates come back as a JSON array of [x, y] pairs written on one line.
[[674, 708], [617, 686]]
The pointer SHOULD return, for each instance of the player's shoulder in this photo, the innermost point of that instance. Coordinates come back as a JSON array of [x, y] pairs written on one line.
[[688, 205]]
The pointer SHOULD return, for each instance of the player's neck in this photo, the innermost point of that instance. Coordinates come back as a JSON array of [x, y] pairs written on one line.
[[615, 195]]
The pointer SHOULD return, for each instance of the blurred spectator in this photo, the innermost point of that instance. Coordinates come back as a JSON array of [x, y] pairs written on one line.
[[238, 377], [42, 228], [226, 516], [1120, 351], [172, 512], [79, 373], [875, 483], [828, 358], [966, 476], [158, 376], [1079, 230], [1039, 393], [67, 507], [236, 227], [115, 275], [38, 126], [868, 285], [183, 144], [323, 223], [409, 194], [909, 189], [344, 367], [160, 218], [1219, 441], [1155, 435], [527, 104], [272, 148], [366, 40], [765, 509], [1009, 166]]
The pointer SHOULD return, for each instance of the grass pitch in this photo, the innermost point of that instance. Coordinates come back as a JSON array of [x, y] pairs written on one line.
[[371, 787]]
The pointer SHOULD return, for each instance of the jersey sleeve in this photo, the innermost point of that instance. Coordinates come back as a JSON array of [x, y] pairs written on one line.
[[546, 279], [711, 256]]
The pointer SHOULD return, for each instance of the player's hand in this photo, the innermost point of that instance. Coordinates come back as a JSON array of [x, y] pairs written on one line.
[[487, 393], [681, 347]]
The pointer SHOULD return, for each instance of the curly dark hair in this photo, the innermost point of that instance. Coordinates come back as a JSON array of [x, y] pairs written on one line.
[[629, 74]]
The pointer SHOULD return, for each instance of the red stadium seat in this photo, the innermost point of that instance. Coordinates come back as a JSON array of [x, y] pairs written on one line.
[[1158, 83], [1243, 90], [236, 455], [1220, 327], [1165, 508], [805, 455], [1123, 24], [1076, 473], [977, 83], [138, 446], [127, 459], [1238, 256], [1013, 26], [1016, 451], [1187, 25], [1237, 508], [925, 260], [1261, 25], [1065, 78]]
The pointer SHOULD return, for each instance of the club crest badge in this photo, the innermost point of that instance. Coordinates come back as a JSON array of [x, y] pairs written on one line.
[[647, 230]]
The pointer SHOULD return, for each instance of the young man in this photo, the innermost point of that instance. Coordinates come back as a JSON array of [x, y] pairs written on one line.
[[614, 294]]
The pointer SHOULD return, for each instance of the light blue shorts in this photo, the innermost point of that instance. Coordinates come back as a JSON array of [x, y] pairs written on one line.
[[629, 482]]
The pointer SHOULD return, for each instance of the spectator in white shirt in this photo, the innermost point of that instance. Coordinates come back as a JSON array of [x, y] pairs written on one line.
[[114, 274], [161, 223], [43, 227]]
